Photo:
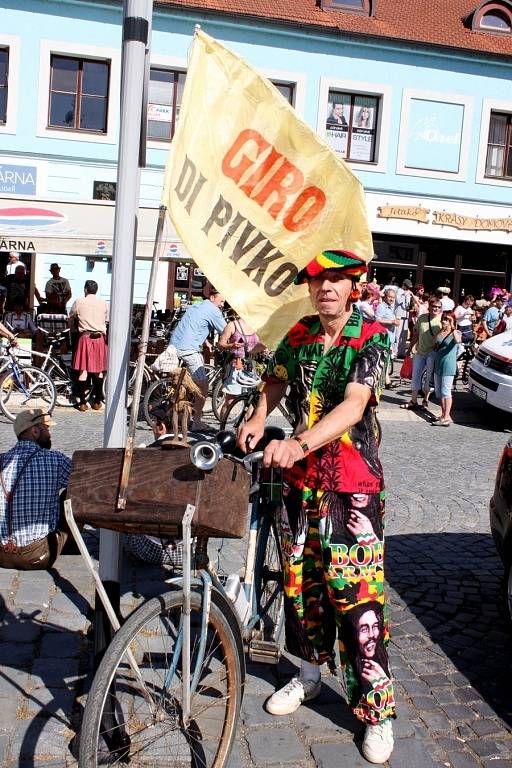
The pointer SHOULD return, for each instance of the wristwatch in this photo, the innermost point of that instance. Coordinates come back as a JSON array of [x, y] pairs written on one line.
[[303, 444]]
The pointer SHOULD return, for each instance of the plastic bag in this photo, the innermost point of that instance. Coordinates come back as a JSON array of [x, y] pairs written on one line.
[[166, 361], [406, 368]]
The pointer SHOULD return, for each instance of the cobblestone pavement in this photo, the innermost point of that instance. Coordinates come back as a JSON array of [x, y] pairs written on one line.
[[450, 649]]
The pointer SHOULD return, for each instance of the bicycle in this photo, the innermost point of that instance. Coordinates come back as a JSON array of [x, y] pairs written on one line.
[[146, 709], [56, 366], [23, 386], [161, 391]]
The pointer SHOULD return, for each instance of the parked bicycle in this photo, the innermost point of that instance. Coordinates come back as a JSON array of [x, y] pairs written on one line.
[[168, 690], [23, 386], [57, 365], [161, 391]]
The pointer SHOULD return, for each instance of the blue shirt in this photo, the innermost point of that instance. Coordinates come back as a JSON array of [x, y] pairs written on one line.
[[35, 506], [385, 312], [492, 317], [196, 324]]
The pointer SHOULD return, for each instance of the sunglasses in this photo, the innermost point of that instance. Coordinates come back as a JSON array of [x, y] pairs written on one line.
[[436, 306]]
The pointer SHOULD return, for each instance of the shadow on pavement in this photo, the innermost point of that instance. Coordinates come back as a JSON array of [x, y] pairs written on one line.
[[451, 583]]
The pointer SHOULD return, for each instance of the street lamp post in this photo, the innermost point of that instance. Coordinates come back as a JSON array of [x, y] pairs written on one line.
[[137, 16]]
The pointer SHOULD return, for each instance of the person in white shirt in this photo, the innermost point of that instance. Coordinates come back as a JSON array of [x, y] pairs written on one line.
[[14, 261], [20, 321], [448, 305], [465, 317]]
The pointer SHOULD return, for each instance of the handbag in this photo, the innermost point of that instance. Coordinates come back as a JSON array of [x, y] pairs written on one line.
[[406, 368]]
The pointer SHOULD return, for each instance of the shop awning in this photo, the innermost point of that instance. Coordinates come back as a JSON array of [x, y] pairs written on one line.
[[84, 229]]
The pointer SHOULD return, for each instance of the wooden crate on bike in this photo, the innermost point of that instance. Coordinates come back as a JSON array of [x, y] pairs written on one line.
[[162, 483]]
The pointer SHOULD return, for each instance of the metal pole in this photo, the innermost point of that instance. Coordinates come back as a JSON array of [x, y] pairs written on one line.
[[136, 36]]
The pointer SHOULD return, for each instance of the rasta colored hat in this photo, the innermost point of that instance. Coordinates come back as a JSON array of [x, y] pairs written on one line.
[[347, 262]]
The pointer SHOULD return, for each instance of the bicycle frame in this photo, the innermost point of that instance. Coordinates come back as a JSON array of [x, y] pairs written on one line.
[[205, 582], [12, 364]]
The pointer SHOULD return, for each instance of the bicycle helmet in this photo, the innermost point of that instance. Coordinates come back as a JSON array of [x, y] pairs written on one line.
[[247, 379]]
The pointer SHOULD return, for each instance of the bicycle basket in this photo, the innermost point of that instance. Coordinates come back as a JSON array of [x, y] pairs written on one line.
[[162, 483]]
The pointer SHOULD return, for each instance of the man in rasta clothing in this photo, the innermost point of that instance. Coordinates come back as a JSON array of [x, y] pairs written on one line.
[[333, 497]]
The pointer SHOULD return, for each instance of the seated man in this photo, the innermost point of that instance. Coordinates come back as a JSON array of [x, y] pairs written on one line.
[[157, 550], [31, 479]]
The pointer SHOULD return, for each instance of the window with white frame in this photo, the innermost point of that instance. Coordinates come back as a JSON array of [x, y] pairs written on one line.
[[4, 83], [78, 97], [499, 146], [351, 125], [165, 95]]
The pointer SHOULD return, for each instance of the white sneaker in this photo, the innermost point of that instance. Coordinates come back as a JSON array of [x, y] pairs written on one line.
[[288, 699], [378, 742]]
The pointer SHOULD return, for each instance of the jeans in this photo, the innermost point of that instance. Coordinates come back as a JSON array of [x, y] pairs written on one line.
[[419, 364]]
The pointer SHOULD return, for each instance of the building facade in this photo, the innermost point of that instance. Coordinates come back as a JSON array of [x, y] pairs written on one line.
[[416, 97]]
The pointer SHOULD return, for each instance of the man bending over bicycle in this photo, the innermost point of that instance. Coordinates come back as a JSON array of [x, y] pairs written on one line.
[[333, 500]]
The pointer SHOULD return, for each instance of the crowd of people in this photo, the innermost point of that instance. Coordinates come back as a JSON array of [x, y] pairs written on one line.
[[431, 329], [86, 320]]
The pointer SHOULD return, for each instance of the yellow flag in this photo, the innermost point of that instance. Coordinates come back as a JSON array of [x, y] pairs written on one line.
[[253, 192]]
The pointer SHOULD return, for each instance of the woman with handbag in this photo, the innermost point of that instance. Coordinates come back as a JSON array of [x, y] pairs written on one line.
[[242, 342]]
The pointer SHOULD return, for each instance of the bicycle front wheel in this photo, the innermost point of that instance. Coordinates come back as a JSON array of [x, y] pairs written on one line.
[[268, 580], [235, 413], [26, 387], [137, 719]]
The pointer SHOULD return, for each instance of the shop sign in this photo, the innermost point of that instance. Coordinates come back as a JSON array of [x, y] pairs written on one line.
[[17, 245], [18, 179], [411, 212], [161, 113], [447, 219], [30, 217], [444, 218]]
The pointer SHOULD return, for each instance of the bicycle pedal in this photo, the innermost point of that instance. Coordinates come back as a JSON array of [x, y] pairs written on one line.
[[264, 651]]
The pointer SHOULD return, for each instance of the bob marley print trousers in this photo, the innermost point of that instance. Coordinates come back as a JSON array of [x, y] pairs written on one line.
[[333, 556]]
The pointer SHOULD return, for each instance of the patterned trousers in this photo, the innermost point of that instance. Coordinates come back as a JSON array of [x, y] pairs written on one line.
[[333, 550]]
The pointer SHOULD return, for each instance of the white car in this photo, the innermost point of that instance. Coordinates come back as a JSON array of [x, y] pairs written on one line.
[[490, 372]]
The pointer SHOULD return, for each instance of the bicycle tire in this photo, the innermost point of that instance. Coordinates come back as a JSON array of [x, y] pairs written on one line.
[[120, 726], [235, 413], [217, 399], [214, 376], [132, 370], [268, 580], [34, 389], [158, 392]]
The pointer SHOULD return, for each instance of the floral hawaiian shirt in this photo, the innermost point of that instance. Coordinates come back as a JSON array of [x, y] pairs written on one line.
[[349, 464]]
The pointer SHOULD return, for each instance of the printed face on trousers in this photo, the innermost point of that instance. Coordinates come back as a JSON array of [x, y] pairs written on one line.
[[368, 631]]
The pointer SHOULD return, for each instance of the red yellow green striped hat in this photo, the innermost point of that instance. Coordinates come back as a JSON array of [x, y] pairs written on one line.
[[346, 261]]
